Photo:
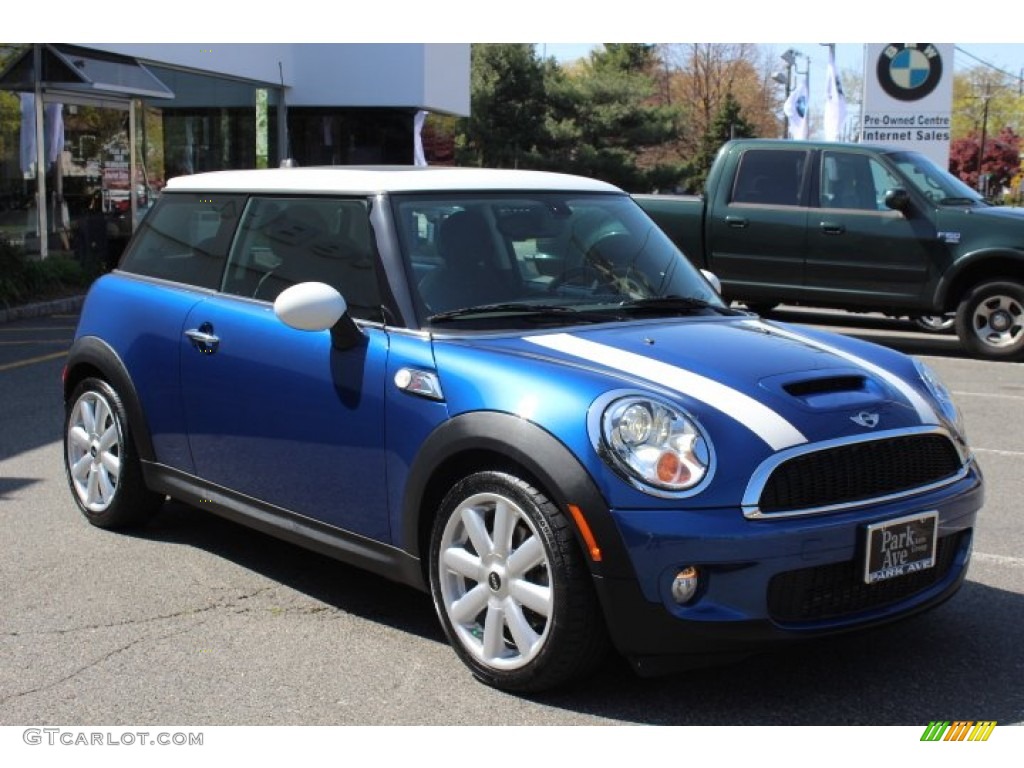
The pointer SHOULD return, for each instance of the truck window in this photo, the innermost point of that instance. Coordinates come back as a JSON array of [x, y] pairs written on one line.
[[770, 177], [854, 181]]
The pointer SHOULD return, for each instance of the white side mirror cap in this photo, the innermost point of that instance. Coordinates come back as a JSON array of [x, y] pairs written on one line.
[[310, 306], [712, 278]]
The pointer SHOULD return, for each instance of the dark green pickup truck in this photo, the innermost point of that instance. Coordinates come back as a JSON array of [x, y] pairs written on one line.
[[856, 227]]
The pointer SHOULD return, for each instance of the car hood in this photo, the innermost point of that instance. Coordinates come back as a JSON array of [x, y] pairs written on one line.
[[779, 382]]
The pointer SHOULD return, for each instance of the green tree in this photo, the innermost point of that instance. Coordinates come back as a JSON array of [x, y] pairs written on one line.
[[606, 121], [507, 107], [728, 123]]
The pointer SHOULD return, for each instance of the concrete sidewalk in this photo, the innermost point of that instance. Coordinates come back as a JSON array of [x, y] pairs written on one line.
[[68, 304]]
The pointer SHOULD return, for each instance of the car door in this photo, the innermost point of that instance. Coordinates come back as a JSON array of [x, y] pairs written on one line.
[[858, 249], [281, 415], [757, 236]]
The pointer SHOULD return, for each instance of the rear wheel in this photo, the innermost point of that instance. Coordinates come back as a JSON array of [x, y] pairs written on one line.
[[762, 308], [510, 585], [936, 323], [990, 321], [100, 461]]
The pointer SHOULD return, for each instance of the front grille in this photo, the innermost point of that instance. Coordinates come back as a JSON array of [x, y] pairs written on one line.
[[838, 589], [855, 472]]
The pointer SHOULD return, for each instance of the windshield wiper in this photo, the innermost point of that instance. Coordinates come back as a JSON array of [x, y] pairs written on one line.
[[558, 311], [676, 304]]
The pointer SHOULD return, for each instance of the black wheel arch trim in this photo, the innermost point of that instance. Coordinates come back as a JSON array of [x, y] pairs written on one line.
[[95, 353], [551, 464], [976, 260]]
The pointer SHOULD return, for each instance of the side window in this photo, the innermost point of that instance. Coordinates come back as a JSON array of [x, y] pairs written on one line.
[[854, 181], [185, 238], [770, 177], [286, 241]]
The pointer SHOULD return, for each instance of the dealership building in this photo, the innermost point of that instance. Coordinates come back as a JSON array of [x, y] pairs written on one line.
[[94, 131]]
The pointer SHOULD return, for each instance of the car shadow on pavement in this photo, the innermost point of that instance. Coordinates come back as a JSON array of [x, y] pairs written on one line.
[[322, 578], [960, 661]]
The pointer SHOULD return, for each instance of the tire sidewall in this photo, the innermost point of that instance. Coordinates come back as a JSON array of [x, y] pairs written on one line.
[[543, 670], [965, 321], [132, 503]]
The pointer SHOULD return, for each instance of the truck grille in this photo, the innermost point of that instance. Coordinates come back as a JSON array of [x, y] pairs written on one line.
[[838, 589], [847, 474]]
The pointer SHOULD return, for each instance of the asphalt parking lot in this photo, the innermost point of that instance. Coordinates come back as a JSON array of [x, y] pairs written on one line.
[[199, 621]]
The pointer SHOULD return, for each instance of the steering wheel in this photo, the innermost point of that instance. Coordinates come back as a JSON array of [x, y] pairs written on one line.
[[617, 282]]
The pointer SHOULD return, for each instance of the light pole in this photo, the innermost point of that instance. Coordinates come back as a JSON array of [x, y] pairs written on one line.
[[790, 56]]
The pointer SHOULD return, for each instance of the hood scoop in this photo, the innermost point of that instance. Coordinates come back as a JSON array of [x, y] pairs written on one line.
[[829, 390]]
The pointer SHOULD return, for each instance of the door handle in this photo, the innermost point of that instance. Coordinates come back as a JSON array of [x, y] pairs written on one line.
[[737, 222], [203, 338], [831, 228]]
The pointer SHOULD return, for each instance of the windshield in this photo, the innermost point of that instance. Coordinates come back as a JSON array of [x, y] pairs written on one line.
[[933, 182], [521, 259]]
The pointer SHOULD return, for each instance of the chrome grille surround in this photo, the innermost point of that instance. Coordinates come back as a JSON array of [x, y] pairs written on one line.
[[751, 504]]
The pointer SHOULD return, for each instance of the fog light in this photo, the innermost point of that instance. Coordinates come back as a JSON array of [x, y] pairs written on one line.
[[684, 585]]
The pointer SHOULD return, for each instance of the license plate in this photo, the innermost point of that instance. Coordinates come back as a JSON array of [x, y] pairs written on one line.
[[898, 547]]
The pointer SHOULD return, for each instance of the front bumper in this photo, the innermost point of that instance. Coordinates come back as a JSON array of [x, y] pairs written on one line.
[[771, 581]]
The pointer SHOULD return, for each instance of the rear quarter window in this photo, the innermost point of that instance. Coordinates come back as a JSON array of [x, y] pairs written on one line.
[[185, 238]]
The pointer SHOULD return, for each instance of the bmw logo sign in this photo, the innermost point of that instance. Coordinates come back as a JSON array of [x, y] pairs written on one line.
[[909, 71], [801, 105]]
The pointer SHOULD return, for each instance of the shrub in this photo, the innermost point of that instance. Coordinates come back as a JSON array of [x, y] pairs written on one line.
[[23, 281]]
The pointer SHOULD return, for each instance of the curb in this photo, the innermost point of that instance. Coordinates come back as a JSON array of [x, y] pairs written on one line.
[[40, 308]]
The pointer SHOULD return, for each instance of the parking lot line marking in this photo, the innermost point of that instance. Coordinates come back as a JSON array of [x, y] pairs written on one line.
[[31, 360], [998, 559], [23, 342], [988, 394], [38, 328], [998, 452]]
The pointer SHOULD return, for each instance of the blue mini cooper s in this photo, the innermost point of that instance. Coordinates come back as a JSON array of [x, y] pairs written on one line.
[[511, 390]]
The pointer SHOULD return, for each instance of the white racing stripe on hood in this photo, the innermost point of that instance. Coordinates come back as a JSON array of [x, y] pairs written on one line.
[[757, 417], [924, 411]]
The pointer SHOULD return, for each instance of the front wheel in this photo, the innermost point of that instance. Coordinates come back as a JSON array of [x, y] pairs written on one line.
[[990, 321], [510, 585]]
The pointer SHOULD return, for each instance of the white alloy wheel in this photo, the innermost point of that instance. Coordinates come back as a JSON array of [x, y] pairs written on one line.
[[511, 587], [94, 449], [495, 581], [100, 460]]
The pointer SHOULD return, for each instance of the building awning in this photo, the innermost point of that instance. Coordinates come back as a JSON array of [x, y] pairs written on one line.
[[75, 70]]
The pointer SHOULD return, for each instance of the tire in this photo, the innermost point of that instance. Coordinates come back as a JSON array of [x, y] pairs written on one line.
[[522, 615], [761, 308], [100, 460], [990, 321], [936, 323]]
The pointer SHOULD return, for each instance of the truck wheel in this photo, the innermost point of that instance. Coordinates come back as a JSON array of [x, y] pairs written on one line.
[[762, 308], [510, 585], [990, 321], [936, 323]]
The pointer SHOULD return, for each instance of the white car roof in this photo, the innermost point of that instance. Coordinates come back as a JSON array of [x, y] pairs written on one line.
[[372, 180]]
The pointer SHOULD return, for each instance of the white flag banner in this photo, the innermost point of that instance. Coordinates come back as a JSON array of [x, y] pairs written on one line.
[[418, 157], [835, 100], [796, 110]]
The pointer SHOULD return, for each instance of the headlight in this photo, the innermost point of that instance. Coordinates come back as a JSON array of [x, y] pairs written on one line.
[[941, 395], [654, 444]]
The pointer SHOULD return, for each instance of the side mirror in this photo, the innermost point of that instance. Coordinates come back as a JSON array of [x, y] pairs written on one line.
[[898, 199], [712, 278], [317, 307]]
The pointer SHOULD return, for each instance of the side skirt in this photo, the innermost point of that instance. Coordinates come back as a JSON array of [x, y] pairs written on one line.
[[374, 556]]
